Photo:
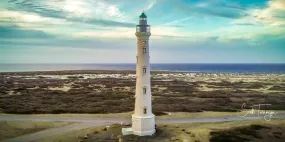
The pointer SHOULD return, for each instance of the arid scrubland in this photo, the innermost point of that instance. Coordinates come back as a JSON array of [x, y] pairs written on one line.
[[113, 91]]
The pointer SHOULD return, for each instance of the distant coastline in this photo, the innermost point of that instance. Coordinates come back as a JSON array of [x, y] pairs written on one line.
[[253, 68]]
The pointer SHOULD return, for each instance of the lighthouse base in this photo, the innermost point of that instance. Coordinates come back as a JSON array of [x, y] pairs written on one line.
[[143, 125]]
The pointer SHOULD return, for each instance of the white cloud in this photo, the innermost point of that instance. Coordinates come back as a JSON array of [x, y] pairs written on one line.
[[28, 20], [272, 15], [129, 33], [114, 11], [277, 4], [21, 16], [32, 21], [77, 8], [98, 9], [161, 31], [177, 21], [85, 9], [118, 33], [150, 5], [104, 10]]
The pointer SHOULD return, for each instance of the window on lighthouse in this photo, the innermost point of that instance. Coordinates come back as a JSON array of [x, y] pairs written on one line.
[[137, 59], [144, 42], [144, 110], [144, 70], [144, 90], [144, 50]]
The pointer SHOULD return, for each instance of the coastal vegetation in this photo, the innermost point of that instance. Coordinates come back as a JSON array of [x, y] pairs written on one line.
[[114, 92]]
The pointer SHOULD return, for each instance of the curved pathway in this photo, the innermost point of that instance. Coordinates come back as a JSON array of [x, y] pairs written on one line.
[[91, 122]]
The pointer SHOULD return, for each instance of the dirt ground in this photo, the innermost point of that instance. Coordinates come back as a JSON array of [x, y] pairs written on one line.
[[12, 129], [253, 130]]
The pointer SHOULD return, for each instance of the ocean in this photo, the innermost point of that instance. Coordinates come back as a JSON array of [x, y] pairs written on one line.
[[206, 68]]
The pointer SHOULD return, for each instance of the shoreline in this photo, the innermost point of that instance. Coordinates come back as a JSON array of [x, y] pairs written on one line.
[[123, 71], [225, 68]]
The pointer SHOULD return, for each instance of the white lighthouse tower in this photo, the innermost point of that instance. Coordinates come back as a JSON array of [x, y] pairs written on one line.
[[143, 122]]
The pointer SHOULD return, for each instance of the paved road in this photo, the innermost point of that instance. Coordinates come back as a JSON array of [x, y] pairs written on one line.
[[91, 122]]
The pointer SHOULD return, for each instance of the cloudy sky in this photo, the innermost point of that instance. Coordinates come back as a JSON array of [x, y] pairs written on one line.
[[103, 31]]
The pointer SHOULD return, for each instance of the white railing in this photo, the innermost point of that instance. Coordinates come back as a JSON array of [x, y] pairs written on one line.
[[143, 28]]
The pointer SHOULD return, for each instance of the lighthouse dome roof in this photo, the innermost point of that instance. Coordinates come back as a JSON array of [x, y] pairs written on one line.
[[143, 15]]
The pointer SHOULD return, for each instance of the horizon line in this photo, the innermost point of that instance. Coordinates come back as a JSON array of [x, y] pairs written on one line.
[[135, 63]]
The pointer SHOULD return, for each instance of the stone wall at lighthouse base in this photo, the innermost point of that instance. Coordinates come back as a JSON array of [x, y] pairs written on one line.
[[143, 125]]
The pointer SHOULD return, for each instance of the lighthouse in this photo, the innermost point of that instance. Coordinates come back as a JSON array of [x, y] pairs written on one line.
[[143, 122]]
